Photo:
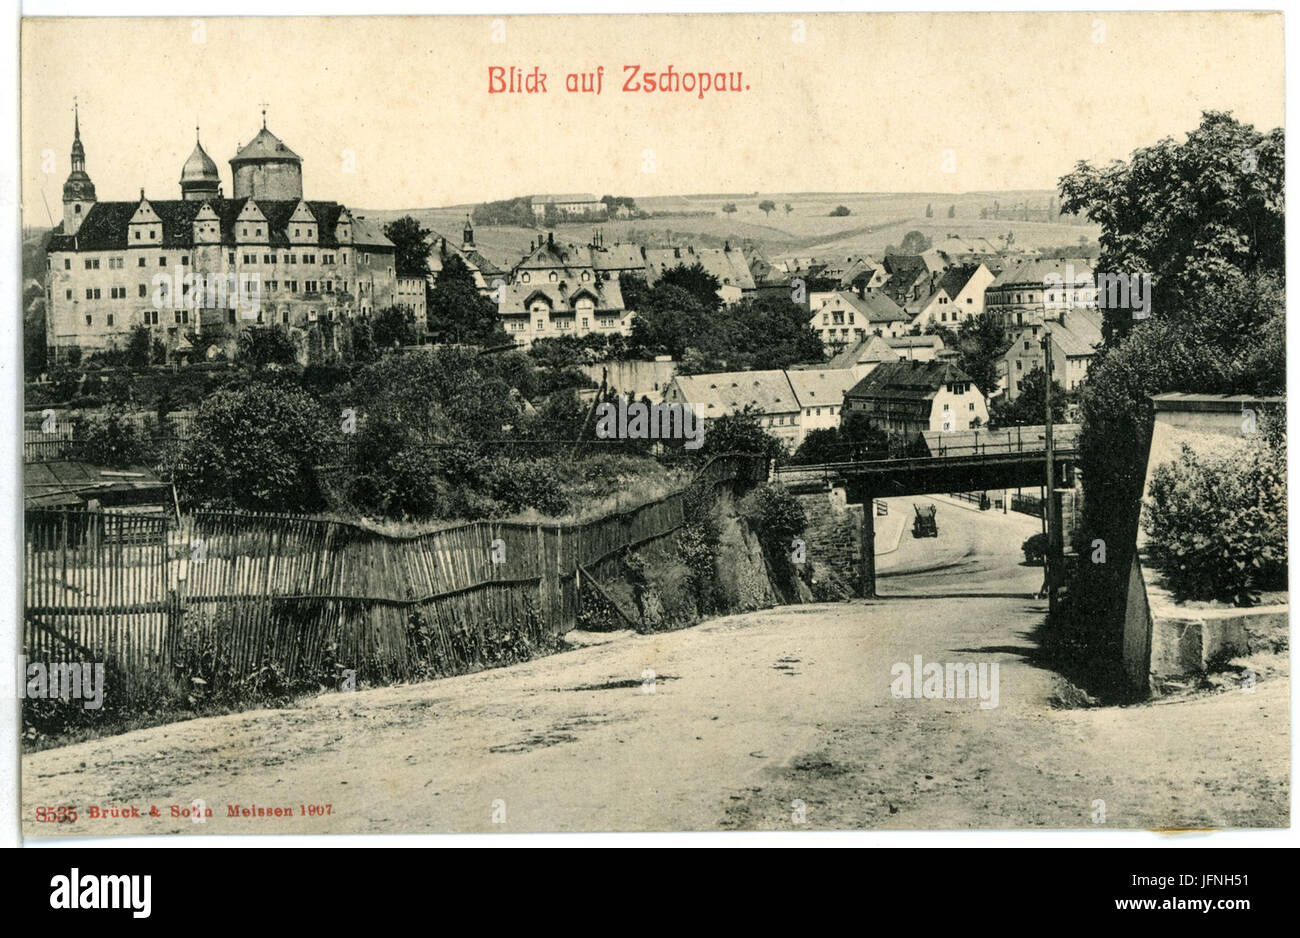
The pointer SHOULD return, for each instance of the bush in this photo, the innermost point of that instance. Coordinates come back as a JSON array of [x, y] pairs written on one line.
[[1217, 523], [1035, 549]]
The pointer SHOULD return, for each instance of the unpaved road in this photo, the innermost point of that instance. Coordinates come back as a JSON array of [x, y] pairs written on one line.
[[781, 719]]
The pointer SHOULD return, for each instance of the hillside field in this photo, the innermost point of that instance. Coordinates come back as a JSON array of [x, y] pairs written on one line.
[[875, 221]]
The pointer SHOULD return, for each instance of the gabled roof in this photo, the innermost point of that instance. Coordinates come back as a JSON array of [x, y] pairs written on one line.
[[562, 295], [866, 350], [729, 266], [876, 307], [729, 392], [824, 386], [908, 380], [955, 279], [565, 197], [1034, 271], [106, 225]]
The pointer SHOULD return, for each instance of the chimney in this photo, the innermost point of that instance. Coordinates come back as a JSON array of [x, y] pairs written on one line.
[[550, 239]]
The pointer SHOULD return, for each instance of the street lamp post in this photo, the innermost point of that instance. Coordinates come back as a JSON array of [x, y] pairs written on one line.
[[1049, 502]]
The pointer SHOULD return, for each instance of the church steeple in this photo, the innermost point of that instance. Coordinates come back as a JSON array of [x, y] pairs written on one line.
[[468, 241], [78, 190]]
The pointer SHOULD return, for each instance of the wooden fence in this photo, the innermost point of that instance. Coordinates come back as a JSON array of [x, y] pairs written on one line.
[[313, 596]]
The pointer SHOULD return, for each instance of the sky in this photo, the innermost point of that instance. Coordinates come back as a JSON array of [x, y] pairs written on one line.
[[395, 112]]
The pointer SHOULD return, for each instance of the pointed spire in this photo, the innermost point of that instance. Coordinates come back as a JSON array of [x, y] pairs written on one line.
[[76, 121]]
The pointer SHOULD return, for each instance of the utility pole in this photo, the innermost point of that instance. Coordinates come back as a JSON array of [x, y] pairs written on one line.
[[1049, 501]]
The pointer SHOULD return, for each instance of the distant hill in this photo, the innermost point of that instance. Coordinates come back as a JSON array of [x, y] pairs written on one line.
[[875, 219]]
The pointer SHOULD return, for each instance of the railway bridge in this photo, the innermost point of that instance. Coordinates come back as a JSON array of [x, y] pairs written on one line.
[[965, 461]]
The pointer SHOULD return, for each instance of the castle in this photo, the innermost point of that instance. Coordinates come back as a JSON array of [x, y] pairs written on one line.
[[205, 264]]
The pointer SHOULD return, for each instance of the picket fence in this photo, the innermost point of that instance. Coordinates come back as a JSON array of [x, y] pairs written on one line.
[[314, 597]]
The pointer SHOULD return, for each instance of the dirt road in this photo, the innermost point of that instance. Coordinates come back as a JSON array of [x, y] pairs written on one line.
[[774, 720]]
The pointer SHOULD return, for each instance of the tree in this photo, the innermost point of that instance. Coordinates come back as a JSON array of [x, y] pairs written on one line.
[[915, 242], [457, 312], [1029, 409], [268, 347], [696, 281], [741, 432], [952, 211], [819, 446], [256, 448], [139, 346], [729, 208], [411, 240], [767, 206], [981, 341], [788, 208], [840, 211], [1192, 214], [929, 210], [393, 326]]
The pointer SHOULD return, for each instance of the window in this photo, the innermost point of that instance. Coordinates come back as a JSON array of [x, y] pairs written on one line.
[[284, 316], [970, 406], [541, 324], [185, 260], [92, 264], [153, 235], [311, 315], [1020, 365], [309, 258], [297, 232], [309, 286], [141, 262], [89, 319], [344, 255], [311, 232], [945, 406], [291, 286], [137, 236], [116, 293], [178, 316], [584, 322], [151, 317], [67, 294], [525, 277], [162, 261], [273, 285], [250, 258], [67, 263], [231, 258], [327, 258], [115, 263], [92, 293], [291, 258], [110, 319], [257, 231]]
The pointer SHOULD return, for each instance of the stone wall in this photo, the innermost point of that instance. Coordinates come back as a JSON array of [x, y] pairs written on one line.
[[833, 536]]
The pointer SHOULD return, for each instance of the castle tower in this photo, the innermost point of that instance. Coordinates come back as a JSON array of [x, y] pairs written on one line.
[[267, 169], [78, 191], [200, 179]]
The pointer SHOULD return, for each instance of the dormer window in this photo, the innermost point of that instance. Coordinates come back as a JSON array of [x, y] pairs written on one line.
[[554, 276]]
